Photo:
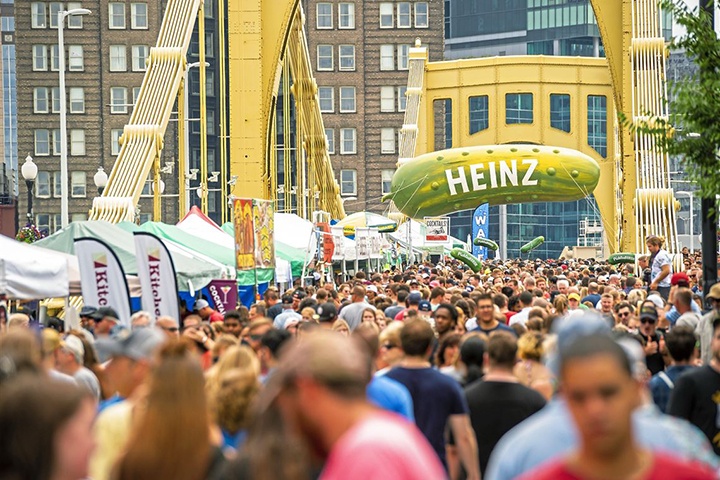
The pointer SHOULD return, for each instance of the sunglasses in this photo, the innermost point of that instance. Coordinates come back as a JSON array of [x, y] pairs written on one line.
[[255, 337], [388, 346], [171, 329], [647, 320], [623, 314]]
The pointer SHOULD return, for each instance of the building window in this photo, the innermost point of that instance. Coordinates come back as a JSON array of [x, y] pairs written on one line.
[[116, 15], [560, 112], [77, 100], [118, 58], [135, 95], [210, 122], [138, 16], [208, 5], [56, 144], [38, 15], [55, 8], [55, 58], [118, 100], [78, 184], [403, 57], [115, 134], [346, 15], [42, 221], [387, 140], [387, 57], [42, 185], [326, 96], [139, 57], [57, 184], [403, 15], [324, 15], [387, 19], [77, 59], [386, 178], [348, 182], [39, 58], [421, 15], [330, 137], [210, 45], [597, 123], [402, 98], [479, 114], [347, 57], [78, 217], [74, 21], [209, 83], [518, 108], [77, 143], [325, 57], [387, 99], [348, 141], [41, 102], [55, 94], [42, 142], [347, 99]]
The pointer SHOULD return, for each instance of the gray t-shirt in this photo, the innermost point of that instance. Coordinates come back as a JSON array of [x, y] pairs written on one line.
[[352, 313], [688, 319], [85, 378]]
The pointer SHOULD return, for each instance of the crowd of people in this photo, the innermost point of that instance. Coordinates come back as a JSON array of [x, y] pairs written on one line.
[[556, 369]]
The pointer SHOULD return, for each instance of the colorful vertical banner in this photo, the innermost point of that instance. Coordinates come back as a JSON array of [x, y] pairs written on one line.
[[224, 295], [102, 278], [481, 229], [328, 245], [156, 272], [244, 233], [263, 226]]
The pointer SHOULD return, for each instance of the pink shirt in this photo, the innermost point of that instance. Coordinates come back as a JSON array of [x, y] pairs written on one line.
[[383, 446]]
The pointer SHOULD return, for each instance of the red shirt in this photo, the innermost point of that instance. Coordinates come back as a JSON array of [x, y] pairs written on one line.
[[216, 317], [665, 467], [508, 315]]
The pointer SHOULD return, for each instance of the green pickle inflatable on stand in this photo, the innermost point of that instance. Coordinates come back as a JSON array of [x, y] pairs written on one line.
[[532, 245], [467, 258], [487, 243]]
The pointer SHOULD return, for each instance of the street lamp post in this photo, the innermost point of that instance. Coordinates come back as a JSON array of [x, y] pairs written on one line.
[[100, 178], [29, 173], [64, 214]]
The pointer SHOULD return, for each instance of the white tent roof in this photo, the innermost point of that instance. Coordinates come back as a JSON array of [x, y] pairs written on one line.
[[31, 273]]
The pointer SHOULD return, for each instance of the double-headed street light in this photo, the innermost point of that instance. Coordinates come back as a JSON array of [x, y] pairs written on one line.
[[29, 172], [64, 214]]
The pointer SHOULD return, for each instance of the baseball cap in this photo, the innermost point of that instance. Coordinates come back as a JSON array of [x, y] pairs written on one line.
[[434, 284], [413, 282], [714, 292], [657, 300], [680, 277], [371, 288], [414, 298], [139, 344], [424, 306], [326, 311], [574, 296], [287, 299], [299, 294], [87, 311], [74, 345], [200, 304], [648, 311], [103, 312]]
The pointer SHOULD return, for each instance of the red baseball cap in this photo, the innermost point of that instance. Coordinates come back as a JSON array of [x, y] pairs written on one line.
[[679, 277]]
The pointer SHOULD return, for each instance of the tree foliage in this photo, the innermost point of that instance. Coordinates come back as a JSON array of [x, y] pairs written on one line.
[[693, 129]]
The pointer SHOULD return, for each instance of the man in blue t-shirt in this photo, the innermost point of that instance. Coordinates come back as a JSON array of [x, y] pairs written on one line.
[[437, 398], [486, 321]]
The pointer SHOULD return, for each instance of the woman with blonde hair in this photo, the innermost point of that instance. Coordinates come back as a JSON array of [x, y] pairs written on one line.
[[342, 327], [172, 431], [237, 390], [560, 305], [238, 357], [530, 371]]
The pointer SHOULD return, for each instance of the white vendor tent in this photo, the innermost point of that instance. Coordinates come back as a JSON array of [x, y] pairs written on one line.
[[29, 273]]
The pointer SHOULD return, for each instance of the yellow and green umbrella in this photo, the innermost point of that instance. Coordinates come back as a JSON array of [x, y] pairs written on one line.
[[366, 220]]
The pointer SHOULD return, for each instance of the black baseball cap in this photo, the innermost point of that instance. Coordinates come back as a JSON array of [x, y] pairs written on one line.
[[103, 312], [648, 310], [327, 311]]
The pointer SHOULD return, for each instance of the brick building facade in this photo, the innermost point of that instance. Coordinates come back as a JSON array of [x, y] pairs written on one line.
[[105, 64], [359, 53]]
